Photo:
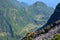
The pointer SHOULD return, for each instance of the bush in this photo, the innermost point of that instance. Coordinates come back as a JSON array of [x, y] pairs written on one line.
[[56, 37]]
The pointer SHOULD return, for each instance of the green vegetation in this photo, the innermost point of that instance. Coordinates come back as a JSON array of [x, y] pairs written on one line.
[[56, 37], [17, 20]]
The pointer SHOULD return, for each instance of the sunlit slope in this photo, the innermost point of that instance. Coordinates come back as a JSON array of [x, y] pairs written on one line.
[[18, 20]]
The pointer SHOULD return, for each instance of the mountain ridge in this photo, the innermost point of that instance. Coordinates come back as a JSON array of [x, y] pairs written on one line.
[[47, 31], [20, 18]]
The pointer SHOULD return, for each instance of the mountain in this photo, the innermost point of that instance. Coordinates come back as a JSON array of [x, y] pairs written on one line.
[[10, 12], [16, 21], [49, 30], [54, 24], [54, 17], [36, 9], [37, 16]]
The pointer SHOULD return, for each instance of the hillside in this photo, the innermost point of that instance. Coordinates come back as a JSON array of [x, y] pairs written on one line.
[[54, 24], [52, 33], [36, 16], [49, 35], [49, 30], [16, 20]]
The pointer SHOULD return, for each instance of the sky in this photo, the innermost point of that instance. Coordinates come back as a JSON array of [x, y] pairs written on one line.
[[51, 3]]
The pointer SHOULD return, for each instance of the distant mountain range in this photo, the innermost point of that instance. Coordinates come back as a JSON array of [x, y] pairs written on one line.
[[17, 19]]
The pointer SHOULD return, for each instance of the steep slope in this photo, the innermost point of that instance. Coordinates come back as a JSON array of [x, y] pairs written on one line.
[[54, 17], [9, 13], [39, 11], [37, 14], [47, 32], [53, 23], [50, 34], [15, 20]]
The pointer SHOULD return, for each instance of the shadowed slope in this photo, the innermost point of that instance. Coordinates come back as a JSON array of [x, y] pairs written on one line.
[[54, 17]]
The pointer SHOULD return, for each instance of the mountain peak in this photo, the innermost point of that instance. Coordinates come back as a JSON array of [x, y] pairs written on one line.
[[58, 4], [39, 2], [58, 7], [55, 16]]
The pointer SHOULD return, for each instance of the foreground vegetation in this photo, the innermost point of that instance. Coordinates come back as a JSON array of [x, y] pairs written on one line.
[[56, 37]]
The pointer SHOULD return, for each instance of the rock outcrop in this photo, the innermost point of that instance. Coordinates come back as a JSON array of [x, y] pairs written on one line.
[[49, 35]]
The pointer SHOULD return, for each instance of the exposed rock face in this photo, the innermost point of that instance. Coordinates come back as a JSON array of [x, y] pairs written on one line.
[[49, 35]]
